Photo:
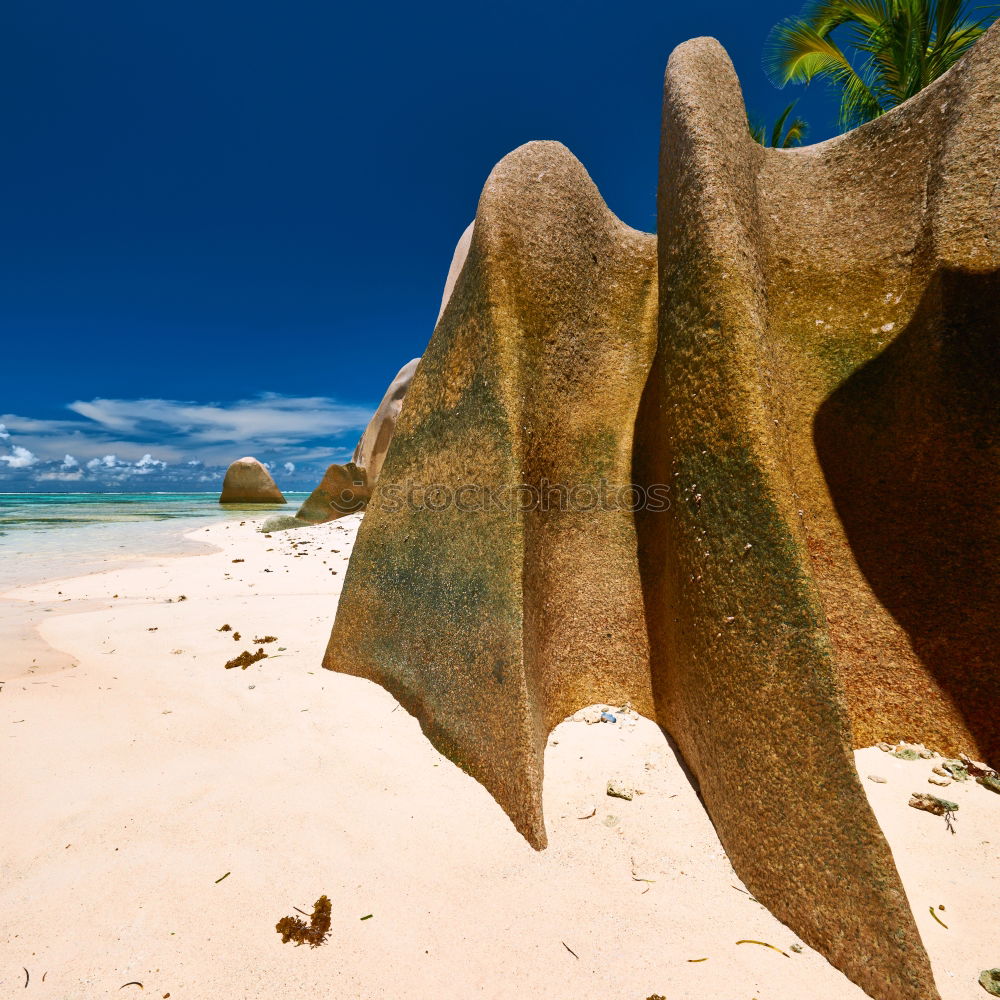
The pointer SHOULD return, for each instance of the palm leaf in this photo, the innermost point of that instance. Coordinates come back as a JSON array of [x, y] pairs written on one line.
[[780, 137], [896, 48], [780, 124], [796, 133]]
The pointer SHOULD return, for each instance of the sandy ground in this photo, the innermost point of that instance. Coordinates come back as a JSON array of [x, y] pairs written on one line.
[[161, 813]]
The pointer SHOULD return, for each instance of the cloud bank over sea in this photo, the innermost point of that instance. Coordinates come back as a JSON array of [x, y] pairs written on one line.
[[166, 444]]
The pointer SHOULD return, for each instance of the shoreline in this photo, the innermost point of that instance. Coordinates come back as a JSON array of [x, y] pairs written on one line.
[[34, 556], [141, 777], [21, 618]]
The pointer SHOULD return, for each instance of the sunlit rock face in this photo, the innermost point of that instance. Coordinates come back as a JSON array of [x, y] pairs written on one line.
[[803, 359], [490, 624], [343, 490], [247, 481], [371, 450]]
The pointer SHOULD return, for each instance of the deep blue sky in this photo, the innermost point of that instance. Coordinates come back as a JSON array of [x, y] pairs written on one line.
[[204, 202]]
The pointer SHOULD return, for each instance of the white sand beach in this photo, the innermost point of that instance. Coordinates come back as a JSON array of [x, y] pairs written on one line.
[[162, 813]]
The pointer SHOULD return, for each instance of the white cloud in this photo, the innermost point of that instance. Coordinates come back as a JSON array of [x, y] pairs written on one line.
[[60, 477], [143, 466], [300, 429], [19, 458], [268, 421], [173, 444]]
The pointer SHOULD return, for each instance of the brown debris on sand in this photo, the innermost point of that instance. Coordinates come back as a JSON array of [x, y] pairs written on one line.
[[314, 933], [245, 659]]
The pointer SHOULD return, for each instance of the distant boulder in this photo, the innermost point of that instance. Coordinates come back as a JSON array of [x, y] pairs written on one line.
[[371, 450], [344, 490], [247, 481]]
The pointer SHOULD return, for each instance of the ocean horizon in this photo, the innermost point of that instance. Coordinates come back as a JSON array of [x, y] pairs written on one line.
[[45, 536]]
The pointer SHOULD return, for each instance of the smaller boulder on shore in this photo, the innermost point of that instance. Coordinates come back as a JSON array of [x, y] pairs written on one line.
[[247, 481], [344, 490]]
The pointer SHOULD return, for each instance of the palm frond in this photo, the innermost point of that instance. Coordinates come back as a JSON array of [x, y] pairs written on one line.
[[780, 124], [796, 53], [796, 133], [885, 51], [758, 132], [780, 137]]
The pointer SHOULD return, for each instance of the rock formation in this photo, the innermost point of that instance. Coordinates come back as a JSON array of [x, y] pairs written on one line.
[[457, 263], [546, 384], [346, 489], [802, 357], [247, 481], [811, 343], [343, 490], [375, 441]]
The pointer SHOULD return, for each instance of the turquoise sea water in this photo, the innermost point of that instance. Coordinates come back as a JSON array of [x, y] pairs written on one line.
[[56, 535]]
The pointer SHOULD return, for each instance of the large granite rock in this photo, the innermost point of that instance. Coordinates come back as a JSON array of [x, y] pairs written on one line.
[[247, 481], [813, 382], [814, 360], [371, 450], [534, 372]]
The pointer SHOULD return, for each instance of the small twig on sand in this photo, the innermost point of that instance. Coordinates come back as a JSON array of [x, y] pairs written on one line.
[[763, 944]]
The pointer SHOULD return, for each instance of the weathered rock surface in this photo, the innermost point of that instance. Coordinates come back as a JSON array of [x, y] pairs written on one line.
[[489, 623], [343, 490], [371, 450], [824, 317], [803, 356], [989, 979], [247, 481], [457, 263]]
